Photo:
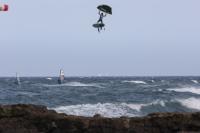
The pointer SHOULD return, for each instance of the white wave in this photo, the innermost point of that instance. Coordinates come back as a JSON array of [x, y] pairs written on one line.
[[153, 81], [195, 81], [79, 84], [187, 89], [192, 103], [30, 94], [106, 109], [74, 84], [49, 78], [134, 81], [160, 102]]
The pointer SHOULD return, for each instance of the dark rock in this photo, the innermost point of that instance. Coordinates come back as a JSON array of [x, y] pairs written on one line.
[[37, 119], [97, 116]]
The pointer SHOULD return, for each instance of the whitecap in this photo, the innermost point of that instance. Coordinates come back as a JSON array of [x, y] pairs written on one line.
[[192, 103], [195, 81], [194, 90], [49, 78], [136, 107], [134, 81], [160, 102], [106, 109], [153, 81], [80, 84], [73, 84]]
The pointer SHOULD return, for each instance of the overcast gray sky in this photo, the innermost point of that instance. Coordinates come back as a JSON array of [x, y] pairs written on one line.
[[142, 38]]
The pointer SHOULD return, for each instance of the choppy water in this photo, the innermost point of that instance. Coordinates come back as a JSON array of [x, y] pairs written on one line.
[[108, 96]]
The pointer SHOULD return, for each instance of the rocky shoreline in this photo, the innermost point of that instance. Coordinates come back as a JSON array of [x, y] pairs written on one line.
[[22, 118]]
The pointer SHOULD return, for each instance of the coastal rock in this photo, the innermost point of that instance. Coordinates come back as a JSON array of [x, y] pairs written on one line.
[[22, 118], [97, 116]]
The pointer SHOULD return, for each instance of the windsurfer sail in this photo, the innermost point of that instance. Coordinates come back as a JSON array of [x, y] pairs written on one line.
[[17, 79], [61, 77]]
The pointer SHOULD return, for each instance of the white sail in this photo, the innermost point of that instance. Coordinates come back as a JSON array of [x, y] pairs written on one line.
[[61, 77], [17, 79]]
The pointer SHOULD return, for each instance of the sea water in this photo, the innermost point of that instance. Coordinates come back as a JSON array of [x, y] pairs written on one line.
[[107, 96]]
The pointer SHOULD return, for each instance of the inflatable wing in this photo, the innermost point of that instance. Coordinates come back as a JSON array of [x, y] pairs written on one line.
[[105, 8], [3, 7]]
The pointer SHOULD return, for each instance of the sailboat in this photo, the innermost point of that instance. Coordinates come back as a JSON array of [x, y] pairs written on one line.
[[17, 81], [61, 77]]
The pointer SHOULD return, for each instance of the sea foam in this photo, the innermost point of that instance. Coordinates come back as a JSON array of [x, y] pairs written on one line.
[[134, 81], [106, 109], [73, 84], [193, 90], [195, 81], [192, 103]]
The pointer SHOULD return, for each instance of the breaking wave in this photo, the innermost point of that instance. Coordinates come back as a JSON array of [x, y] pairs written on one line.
[[106, 109], [49, 78], [80, 84], [195, 81], [192, 103], [134, 81], [153, 81], [73, 84], [193, 90]]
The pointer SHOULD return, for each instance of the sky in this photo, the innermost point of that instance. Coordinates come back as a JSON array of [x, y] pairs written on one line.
[[142, 38]]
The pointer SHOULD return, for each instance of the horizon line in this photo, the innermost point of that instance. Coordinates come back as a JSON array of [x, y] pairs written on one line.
[[46, 76]]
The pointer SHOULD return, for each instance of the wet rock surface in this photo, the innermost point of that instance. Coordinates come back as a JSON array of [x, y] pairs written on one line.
[[38, 119]]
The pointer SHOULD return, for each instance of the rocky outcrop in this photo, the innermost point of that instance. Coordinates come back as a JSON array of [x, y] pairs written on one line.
[[37, 119]]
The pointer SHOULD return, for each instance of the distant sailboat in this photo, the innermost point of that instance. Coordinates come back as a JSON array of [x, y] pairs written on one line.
[[61, 77], [17, 80]]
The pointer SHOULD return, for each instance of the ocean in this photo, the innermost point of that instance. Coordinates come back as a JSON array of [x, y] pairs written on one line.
[[107, 96]]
